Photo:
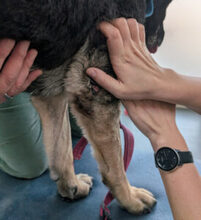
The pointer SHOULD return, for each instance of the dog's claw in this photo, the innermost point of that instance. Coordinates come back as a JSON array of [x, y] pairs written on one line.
[[146, 211], [74, 190]]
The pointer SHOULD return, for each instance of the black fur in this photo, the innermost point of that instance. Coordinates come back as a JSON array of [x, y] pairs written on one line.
[[154, 25], [58, 29]]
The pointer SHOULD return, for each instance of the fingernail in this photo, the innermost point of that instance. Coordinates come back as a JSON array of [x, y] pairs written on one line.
[[91, 72]]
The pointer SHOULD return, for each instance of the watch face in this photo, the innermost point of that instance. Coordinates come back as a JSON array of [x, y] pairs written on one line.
[[167, 159]]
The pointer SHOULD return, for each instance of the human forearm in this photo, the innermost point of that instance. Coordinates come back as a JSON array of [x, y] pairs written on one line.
[[183, 185], [179, 89], [170, 136], [183, 188]]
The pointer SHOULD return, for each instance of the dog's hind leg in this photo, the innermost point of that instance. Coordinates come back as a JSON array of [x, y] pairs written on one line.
[[100, 123], [57, 139], [97, 112]]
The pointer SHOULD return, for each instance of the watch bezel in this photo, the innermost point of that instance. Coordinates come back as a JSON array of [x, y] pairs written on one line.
[[158, 165]]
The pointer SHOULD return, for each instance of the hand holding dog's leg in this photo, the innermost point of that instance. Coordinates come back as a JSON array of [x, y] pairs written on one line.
[[57, 139]]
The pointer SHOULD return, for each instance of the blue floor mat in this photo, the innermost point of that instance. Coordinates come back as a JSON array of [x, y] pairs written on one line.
[[38, 200]]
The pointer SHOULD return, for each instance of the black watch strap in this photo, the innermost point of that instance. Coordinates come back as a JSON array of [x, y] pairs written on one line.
[[185, 157]]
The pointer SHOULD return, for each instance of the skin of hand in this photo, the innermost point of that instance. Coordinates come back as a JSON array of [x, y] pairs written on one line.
[[15, 63], [156, 120], [136, 71], [139, 77]]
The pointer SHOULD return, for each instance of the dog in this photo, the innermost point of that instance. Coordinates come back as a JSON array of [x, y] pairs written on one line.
[[64, 33], [154, 25]]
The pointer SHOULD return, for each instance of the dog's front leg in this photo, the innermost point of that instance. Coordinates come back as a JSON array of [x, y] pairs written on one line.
[[57, 139], [100, 125]]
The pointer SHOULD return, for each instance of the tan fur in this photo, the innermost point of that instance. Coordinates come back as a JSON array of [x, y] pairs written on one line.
[[57, 140], [98, 116]]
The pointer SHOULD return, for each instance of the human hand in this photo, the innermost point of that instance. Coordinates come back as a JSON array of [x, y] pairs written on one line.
[[156, 120], [138, 75], [15, 63]]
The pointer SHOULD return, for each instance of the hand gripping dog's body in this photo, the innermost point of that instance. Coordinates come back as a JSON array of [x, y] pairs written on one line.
[[65, 35]]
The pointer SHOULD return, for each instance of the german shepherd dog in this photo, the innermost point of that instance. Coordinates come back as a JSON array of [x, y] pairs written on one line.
[[64, 33]]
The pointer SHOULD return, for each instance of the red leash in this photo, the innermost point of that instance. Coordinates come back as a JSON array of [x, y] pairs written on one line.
[[79, 148], [128, 152]]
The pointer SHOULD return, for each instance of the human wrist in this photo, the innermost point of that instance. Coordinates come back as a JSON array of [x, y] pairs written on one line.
[[158, 83], [171, 138], [179, 89], [176, 88], [169, 86]]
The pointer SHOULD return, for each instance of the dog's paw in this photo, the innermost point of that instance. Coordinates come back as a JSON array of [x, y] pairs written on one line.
[[140, 202], [86, 179], [75, 189]]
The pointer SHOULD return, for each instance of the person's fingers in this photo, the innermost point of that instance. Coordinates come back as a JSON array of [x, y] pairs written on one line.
[[32, 76], [138, 35], [24, 72], [6, 46], [134, 30], [14, 64], [142, 33], [143, 43], [28, 62], [122, 25], [106, 81], [114, 39]]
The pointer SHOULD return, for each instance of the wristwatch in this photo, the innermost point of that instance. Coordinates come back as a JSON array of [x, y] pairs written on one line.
[[168, 159]]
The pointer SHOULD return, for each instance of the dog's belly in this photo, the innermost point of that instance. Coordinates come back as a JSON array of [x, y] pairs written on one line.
[[58, 30], [70, 78]]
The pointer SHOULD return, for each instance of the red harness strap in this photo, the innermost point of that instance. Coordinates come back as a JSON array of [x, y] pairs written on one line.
[[128, 152]]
